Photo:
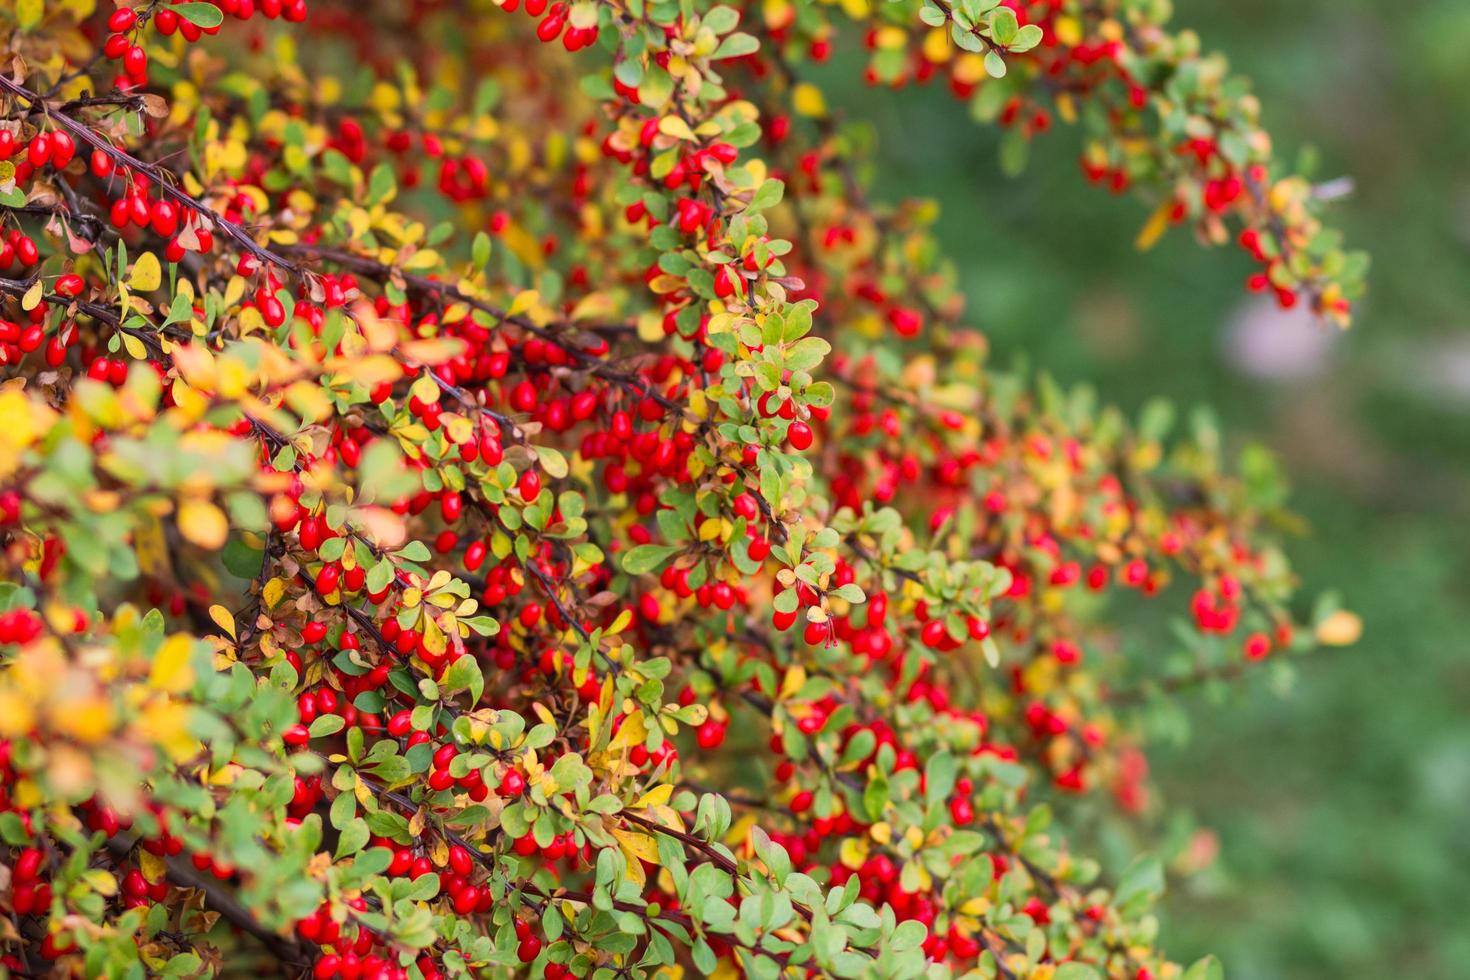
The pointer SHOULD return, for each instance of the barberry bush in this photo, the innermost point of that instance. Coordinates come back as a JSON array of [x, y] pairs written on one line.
[[489, 494]]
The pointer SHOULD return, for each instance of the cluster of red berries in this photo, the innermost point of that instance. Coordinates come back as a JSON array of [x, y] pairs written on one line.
[[56, 148], [18, 250]]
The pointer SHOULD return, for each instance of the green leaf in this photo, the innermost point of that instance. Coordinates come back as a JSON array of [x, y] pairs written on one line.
[[932, 15], [1015, 148], [939, 776], [722, 19], [875, 798], [1026, 38], [464, 674], [241, 560], [344, 808], [647, 557], [1003, 26], [413, 551], [736, 46], [768, 195], [326, 725], [1208, 968], [353, 837], [908, 935], [200, 14], [12, 830], [381, 184], [656, 88], [967, 40], [423, 888], [1075, 971], [183, 964], [1142, 881], [806, 353]]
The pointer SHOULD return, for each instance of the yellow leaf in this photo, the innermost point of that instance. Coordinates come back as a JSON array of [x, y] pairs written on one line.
[[638, 848], [425, 389], [1341, 629], [274, 590], [424, 259], [28, 13], [147, 274], [32, 298], [308, 401], [807, 100], [171, 671], [657, 796], [1154, 228], [650, 328], [434, 641], [676, 127], [1069, 31], [223, 618], [203, 524], [369, 371], [596, 306], [234, 290], [937, 48], [853, 852], [17, 714], [794, 681], [524, 301], [632, 732], [154, 868], [102, 882], [1066, 107]]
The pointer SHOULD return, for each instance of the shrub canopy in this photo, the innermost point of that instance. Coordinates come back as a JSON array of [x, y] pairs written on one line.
[[487, 494]]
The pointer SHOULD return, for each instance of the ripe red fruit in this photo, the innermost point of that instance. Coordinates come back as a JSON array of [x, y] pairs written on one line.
[[800, 436], [1257, 646], [727, 282], [327, 578], [710, 734], [905, 322], [39, 151], [63, 148], [512, 783], [135, 61], [165, 218], [529, 485]]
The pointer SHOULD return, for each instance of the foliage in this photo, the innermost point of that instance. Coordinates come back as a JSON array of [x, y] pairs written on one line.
[[616, 557]]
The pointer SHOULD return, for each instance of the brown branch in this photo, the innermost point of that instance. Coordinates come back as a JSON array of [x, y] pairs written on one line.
[[163, 178]]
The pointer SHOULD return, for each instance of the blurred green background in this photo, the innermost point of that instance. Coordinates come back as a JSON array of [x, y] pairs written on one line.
[[1342, 806]]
